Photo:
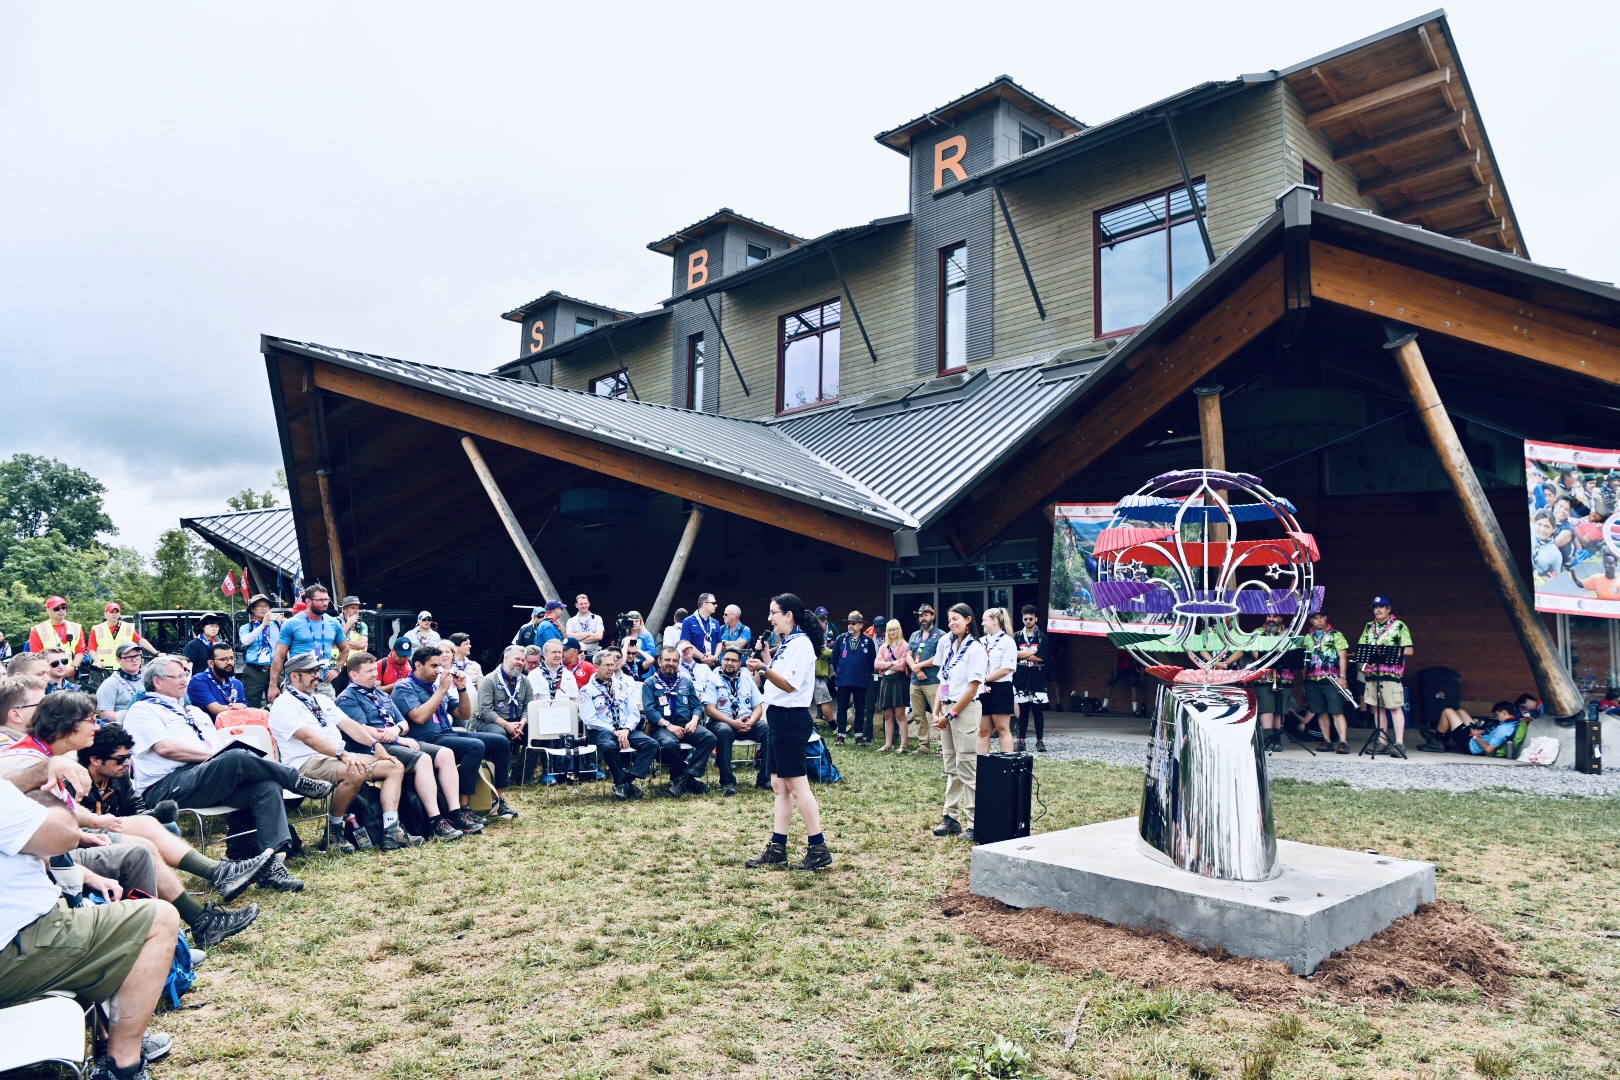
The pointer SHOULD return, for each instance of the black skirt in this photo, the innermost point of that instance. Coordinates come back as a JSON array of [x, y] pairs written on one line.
[[998, 699]]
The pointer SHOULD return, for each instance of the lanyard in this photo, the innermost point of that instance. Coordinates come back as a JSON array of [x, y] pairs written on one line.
[[184, 714]]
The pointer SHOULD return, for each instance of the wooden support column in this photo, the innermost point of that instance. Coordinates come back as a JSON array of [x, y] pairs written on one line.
[[509, 519], [1213, 437], [672, 580], [1557, 689], [334, 546]]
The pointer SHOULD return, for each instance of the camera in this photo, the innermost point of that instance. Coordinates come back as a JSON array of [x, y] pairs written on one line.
[[623, 625]]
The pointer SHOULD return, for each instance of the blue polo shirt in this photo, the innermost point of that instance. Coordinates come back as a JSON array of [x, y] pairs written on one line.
[[204, 690], [742, 637], [1498, 735], [704, 633], [374, 709], [301, 634], [412, 693]]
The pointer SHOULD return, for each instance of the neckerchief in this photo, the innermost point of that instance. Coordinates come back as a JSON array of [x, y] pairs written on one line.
[[512, 707], [308, 702], [777, 655], [953, 654], [732, 682], [181, 711], [612, 700], [377, 699], [227, 689], [989, 642], [553, 684], [135, 678], [441, 715]]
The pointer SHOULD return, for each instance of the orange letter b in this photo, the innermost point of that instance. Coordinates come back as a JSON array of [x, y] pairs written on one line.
[[949, 163], [697, 268]]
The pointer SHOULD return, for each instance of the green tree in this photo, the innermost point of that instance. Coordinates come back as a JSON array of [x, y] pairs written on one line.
[[40, 494], [248, 499]]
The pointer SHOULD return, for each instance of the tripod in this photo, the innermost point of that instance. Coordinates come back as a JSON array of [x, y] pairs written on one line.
[[1297, 741], [1379, 742]]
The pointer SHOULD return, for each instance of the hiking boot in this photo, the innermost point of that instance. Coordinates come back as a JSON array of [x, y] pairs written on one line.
[[1018, 746], [335, 840], [774, 855], [232, 877], [1342, 748], [948, 826], [728, 790], [215, 924], [1040, 746], [677, 786], [311, 788], [275, 877], [463, 819], [635, 792], [502, 809], [103, 1070], [475, 817], [358, 833], [441, 829], [621, 792], [816, 857], [1398, 749], [155, 1045], [395, 837], [696, 786]]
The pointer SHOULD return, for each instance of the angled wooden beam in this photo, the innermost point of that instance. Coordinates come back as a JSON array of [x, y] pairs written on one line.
[[1378, 184], [1467, 197], [503, 510], [1457, 121], [629, 465], [1496, 229], [1428, 47], [1557, 689], [1152, 380], [1444, 306], [1387, 95]]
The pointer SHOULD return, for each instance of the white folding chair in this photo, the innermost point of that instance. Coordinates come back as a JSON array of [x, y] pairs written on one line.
[[258, 737], [49, 1030], [547, 727]]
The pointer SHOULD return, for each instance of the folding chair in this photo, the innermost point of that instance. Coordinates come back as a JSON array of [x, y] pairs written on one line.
[[548, 727], [259, 738], [47, 1031]]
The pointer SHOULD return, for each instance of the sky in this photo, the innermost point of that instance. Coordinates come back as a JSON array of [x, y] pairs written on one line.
[[179, 178]]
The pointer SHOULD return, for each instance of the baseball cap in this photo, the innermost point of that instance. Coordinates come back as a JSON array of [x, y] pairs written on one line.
[[347, 600], [55, 601], [420, 615], [880, 621], [554, 605], [1382, 601], [303, 662], [538, 611], [125, 649], [570, 643], [115, 606], [822, 611], [402, 647]]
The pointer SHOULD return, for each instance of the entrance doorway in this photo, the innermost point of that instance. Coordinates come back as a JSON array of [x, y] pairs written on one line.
[[1004, 577]]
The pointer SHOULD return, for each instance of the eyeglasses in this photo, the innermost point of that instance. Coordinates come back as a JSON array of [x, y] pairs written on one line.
[[119, 759], [60, 663]]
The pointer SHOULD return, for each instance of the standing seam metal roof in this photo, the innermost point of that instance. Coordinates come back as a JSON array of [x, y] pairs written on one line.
[[266, 536]]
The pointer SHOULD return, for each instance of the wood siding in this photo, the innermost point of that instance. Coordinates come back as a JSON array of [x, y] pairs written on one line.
[[645, 350], [1339, 182]]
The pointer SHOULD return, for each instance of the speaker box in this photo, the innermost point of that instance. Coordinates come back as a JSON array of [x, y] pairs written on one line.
[[1588, 746], [1439, 689], [1001, 803]]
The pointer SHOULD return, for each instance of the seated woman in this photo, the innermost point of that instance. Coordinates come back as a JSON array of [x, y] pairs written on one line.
[[1463, 734]]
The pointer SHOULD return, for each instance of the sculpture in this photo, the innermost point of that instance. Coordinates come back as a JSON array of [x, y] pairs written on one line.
[[1174, 582]]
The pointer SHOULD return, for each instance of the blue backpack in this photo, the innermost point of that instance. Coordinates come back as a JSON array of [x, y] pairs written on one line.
[[181, 975], [818, 763]]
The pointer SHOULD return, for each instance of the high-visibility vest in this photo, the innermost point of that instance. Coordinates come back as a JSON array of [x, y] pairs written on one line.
[[109, 636], [73, 644]]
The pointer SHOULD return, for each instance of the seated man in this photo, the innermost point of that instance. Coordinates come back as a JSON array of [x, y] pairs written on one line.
[[119, 953], [422, 698], [693, 668], [20, 696], [58, 670], [503, 699], [65, 724], [310, 732], [551, 684], [364, 702], [735, 710], [121, 687], [670, 703], [573, 659], [177, 758], [217, 689], [607, 709], [1462, 734], [111, 792]]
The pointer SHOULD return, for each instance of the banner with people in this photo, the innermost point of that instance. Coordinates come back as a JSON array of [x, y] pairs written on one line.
[[1574, 505], [1070, 609]]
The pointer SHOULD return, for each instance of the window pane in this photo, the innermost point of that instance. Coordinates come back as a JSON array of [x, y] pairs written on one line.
[[757, 253], [1180, 207], [582, 325], [829, 364], [1187, 256], [1148, 214], [1133, 281], [955, 344], [695, 349], [1029, 140], [972, 572], [833, 313], [800, 373], [802, 322]]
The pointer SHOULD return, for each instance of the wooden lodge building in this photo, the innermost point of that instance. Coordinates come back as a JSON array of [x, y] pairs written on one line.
[[883, 414]]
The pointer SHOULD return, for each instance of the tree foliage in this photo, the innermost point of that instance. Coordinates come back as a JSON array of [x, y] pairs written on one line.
[[39, 495]]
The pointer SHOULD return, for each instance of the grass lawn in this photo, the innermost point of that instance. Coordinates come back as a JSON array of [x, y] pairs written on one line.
[[598, 939]]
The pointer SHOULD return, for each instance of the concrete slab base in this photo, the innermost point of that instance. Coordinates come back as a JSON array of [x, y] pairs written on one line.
[[1325, 899]]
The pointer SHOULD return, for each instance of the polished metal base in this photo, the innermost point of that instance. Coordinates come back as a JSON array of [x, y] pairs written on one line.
[[1206, 801]]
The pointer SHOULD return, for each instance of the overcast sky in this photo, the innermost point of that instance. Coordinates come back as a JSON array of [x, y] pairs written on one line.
[[390, 177]]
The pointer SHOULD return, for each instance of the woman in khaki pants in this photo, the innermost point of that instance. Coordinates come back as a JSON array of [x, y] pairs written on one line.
[[962, 664]]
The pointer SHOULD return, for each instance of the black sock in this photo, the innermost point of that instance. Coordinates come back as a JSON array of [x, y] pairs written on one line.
[[816, 839], [779, 838]]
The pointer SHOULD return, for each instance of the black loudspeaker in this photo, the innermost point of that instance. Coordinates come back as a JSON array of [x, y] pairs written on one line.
[[1439, 688], [1001, 804], [1588, 746]]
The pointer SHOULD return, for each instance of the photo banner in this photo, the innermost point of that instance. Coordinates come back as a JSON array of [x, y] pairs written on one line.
[[1574, 506], [1070, 609]]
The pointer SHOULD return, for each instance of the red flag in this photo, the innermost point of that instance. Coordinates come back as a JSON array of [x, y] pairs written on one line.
[[228, 586]]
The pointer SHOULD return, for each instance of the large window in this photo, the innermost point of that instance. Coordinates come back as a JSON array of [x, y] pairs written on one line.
[[807, 356], [615, 384], [582, 324], [1148, 250], [694, 372], [953, 308]]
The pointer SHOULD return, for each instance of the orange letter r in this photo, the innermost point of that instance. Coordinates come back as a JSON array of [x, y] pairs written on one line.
[[949, 162]]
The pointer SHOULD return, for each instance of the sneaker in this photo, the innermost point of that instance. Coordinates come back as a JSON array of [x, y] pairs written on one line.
[[311, 788], [103, 1070], [396, 837], [275, 877], [1018, 746], [358, 833], [232, 877], [774, 855], [155, 1045], [216, 923], [503, 810], [840, 738], [677, 786], [477, 819], [696, 786], [728, 789], [816, 857], [464, 820], [1342, 748], [548, 780], [948, 826], [441, 829], [621, 792], [1040, 746], [635, 792]]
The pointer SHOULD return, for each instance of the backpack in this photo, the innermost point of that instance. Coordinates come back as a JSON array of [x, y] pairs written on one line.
[[367, 809], [181, 974], [818, 763]]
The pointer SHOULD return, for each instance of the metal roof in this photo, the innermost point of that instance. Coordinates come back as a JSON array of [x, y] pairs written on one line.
[[723, 216], [517, 313], [787, 258], [268, 536], [1002, 86]]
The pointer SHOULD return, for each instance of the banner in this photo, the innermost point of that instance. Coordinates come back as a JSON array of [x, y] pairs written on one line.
[[1074, 532], [228, 586], [1574, 505]]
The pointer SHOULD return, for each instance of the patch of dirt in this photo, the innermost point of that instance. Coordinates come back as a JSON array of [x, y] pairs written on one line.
[[1443, 946]]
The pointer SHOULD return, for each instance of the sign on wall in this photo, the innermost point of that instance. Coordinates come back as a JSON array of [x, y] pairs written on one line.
[[1574, 506], [1070, 609]]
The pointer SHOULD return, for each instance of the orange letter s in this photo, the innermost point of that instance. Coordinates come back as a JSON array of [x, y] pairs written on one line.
[[538, 332]]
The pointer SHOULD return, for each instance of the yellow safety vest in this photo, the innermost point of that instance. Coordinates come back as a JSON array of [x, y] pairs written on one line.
[[73, 645], [108, 639]]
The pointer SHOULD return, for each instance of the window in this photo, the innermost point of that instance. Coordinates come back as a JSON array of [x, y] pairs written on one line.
[[807, 356], [757, 253], [582, 324], [952, 308], [1029, 140], [615, 384], [1147, 252], [694, 372], [1313, 177]]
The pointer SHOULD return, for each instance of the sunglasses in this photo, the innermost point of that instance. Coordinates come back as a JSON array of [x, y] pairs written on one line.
[[60, 663], [119, 759], [60, 607]]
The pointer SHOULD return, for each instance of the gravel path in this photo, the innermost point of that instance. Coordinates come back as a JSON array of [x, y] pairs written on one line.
[[1370, 774]]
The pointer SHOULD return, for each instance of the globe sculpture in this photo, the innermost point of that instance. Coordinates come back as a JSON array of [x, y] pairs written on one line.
[[1188, 597]]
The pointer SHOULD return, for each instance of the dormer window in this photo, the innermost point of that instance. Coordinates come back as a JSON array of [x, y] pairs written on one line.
[[1029, 140], [581, 325], [758, 253]]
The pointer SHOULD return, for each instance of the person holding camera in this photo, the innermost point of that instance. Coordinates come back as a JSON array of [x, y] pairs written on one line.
[[423, 696], [607, 707], [789, 673]]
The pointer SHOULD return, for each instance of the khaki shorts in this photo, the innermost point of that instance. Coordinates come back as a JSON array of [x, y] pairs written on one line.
[[87, 950], [330, 769], [1385, 694]]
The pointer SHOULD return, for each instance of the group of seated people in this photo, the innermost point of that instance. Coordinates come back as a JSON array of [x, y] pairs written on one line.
[[1461, 733]]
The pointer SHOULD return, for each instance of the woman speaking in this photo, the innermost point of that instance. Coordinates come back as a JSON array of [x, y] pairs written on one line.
[[790, 673]]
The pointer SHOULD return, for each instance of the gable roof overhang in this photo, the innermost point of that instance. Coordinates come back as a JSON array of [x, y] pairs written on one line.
[[268, 537], [518, 314], [723, 216], [594, 336], [793, 256], [1002, 87]]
